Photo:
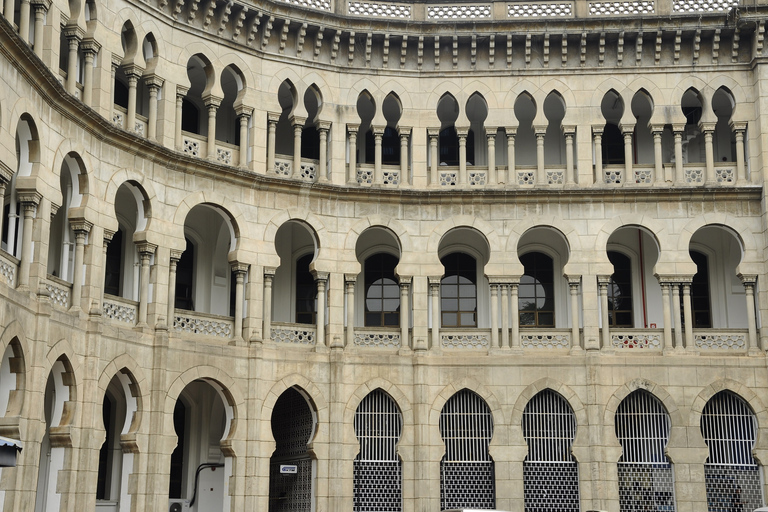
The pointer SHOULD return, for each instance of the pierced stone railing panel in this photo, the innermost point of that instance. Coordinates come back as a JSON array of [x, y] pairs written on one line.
[[556, 177], [120, 310], [643, 175], [526, 177], [141, 126], [308, 171], [283, 167], [473, 339], [540, 10], [224, 156], [694, 176], [297, 334], [725, 174], [377, 339], [448, 179], [703, 5], [458, 12], [365, 176], [545, 340], [391, 177], [8, 266], [323, 5], [641, 340], [191, 146], [206, 325], [379, 10], [613, 176], [720, 340], [118, 119], [621, 8], [58, 290], [478, 178]]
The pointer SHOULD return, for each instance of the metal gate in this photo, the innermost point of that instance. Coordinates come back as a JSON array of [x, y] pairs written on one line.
[[550, 474], [466, 471], [645, 474], [732, 476], [377, 468]]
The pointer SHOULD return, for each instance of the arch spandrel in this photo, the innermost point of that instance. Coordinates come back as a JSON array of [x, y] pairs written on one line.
[[481, 226]]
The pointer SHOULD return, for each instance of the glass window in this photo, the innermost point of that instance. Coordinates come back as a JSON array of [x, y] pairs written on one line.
[[458, 291], [620, 291], [382, 292], [536, 302], [306, 292]]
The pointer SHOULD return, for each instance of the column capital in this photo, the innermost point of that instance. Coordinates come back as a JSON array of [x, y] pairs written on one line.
[[273, 117], [239, 267], [540, 131], [269, 272], [747, 279], [603, 280], [434, 281], [153, 80], [433, 132], [569, 130], [90, 46], [181, 91], [350, 278], [320, 276], [490, 135], [707, 127], [243, 110], [627, 128], [73, 32], [209, 100], [657, 129], [378, 130], [573, 279], [41, 4], [297, 121], [674, 278], [117, 60], [323, 126], [511, 131], [29, 196], [176, 255], [404, 131], [462, 131], [352, 129], [405, 280], [738, 127], [146, 248], [80, 225], [597, 130], [133, 70], [108, 235], [6, 173], [678, 127]]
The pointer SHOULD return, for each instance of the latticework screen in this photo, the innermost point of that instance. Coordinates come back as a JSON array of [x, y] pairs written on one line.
[[466, 470]]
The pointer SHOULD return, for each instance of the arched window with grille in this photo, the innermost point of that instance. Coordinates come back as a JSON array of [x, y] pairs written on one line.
[[378, 472], [645, 473], [293, 427], [731, 473], [467, 477], [550, 473]]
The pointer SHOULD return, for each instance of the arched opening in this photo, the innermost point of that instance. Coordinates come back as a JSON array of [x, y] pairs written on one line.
[[121, 276], [466, 427], [525, 138], [378, 250], [554, 139], [61, 242], [12, 381], [27, 154], [200, 75], [693, 140], [464, 291], [612, 108], [292, 467], [227, 124], [202, 418], [390, 142], [378, 470], [642, 109], [731, 473], [310, 135], [550, 472], [287, 97], [366, 109], [448, 140], [645, 473], [724, 140], [294, 290], [477, 113]]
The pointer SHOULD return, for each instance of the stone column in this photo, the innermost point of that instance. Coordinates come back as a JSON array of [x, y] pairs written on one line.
[[154, 83], [24, 15], [352, 137], [405, 310], [405, 133], [239, 269], [298, 126], [322, 172], [133, 72], [740, 130], [749, 289], [105, 245], [74, 35], [627, 131], [272, 120], [573, 285], [570, 170], [378, 135], [212, 104], [658, 164], [321, 278], [181, 92], [41, 9], [81, 227], [3, 184], [494, 315], [29, 203], [490, 136], [146, 250], [434, 158], [269, 276], [597, 137], [244, 115], [678, 130], [174, 261], [603, 282], [676, 316], [462, 133], [434, 293], [8, 8], [349, 291], [709, 150], [511, 173], [514, 300], [665, 305], [541, 177], [116, 61], [687, 316], [90, 49]]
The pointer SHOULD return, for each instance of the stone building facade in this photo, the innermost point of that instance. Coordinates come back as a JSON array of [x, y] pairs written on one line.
[[326, 255]]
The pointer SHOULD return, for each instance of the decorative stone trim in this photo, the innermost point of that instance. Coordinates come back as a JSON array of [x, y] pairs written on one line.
[[458, 12], [621, 8], [540, 10], [8, 266], [189, 322], [635, 340], [377, 339], [323, 5], [118, 310], [457, 340], [720, 341], [704, 5], [59, 292], [302, 336], [379, 10], [545, 340]]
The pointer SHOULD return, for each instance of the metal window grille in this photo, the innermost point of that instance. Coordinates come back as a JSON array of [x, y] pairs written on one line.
[[466, 471], [645, 474], [293, 425], [377, 468], [732, 477], [550, 474]]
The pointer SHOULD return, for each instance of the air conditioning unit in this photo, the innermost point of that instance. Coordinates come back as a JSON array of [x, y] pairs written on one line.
[[178, 505]]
